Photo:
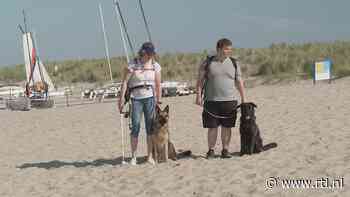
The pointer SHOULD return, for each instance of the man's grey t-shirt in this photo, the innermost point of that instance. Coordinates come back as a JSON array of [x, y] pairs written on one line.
[[220, 85]]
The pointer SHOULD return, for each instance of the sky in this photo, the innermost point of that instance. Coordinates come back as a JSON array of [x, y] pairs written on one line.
[[71, 29]]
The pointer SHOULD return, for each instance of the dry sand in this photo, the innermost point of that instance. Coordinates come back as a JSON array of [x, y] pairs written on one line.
[[75, 151]]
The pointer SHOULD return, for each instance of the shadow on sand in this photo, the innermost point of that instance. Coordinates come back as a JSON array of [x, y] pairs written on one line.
[[96, 163]]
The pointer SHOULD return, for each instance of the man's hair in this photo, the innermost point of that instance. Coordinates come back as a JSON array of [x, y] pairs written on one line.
[[224, 42]]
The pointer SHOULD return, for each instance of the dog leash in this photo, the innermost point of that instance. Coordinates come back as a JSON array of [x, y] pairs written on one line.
[[217, 116]]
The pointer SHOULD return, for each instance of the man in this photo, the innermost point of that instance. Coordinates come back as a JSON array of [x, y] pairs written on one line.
[[219, 76]]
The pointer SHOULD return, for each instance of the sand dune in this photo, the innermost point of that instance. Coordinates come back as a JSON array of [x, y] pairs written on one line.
[[76, 151]]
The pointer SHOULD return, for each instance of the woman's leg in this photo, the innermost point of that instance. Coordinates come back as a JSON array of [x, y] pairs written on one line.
[[136, 113], [149, 113]]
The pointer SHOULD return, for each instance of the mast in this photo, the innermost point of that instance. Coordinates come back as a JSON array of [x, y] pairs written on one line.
[[122, 25], [145, 21], [106, 42], [29, 54], [118, 14]]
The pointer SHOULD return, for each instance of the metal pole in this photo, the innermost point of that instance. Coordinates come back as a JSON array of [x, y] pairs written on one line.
[[106, 42], [123, 146], [145, 21], [21, 29], [122, 33], [121, 19]]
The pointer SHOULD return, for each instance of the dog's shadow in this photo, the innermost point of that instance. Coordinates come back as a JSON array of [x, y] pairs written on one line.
[[96, 163]]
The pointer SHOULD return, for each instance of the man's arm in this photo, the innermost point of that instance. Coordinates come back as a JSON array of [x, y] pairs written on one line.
[[239, 81], [199, 84], [240, 87]]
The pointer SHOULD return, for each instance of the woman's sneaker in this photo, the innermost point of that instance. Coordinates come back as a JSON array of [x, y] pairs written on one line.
[[133, 161], [151, 161], [210, 154]]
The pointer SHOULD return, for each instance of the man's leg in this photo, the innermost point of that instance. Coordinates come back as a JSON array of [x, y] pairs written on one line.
[[212, 137], [226, 139]]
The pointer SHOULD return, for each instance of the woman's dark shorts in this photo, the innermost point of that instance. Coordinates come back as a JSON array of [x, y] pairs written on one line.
[[216, 113]]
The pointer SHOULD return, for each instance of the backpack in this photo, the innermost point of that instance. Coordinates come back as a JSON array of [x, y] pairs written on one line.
[[206, 69], [128, 91]]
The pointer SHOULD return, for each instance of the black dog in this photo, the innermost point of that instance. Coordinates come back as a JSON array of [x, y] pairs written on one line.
[[251, 141]]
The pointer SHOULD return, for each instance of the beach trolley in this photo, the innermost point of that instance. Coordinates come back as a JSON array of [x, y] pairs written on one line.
[[322, 70]]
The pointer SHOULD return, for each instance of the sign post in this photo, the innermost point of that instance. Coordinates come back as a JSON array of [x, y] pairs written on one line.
[[322, 70]]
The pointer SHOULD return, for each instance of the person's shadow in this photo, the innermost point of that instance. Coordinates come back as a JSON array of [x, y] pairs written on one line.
[[96, 163], [77, 164]]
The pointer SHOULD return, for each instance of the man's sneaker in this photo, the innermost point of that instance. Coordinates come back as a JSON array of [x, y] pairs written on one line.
[[210, 154], [225, 154], [133, 161]]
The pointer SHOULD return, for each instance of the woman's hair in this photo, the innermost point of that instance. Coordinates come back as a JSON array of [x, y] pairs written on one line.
[[147, 48], [224, 42]]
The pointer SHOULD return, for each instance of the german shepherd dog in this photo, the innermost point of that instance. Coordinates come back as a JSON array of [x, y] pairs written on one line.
[[251, 141], [162, 147]]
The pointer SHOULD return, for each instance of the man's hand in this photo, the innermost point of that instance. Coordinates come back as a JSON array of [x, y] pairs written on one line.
[[199, 100], [242, 100]]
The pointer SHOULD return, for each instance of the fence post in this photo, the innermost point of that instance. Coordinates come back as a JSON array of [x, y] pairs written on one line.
[[67, 100]]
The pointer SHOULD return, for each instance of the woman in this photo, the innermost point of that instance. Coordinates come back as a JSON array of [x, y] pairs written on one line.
[[143, 81]]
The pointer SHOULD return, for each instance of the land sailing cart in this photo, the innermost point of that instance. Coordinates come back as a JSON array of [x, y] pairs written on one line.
[[38, 83]]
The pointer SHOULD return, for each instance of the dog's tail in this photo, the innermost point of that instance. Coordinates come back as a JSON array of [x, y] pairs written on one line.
[[183, 154], [269, 146]]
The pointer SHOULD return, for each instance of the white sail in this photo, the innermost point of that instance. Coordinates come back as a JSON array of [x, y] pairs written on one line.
[[35, 69]]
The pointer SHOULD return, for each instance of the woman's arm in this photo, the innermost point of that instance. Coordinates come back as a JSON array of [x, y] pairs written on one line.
[[158, 87], [126, 76]]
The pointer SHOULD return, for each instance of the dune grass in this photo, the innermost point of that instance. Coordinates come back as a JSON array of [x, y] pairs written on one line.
[[278, 60]]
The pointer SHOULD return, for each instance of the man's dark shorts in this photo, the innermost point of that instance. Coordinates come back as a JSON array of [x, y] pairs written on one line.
[[216, 113]]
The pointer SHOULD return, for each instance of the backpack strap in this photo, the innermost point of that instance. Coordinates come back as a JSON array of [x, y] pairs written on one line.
[[207, 64], [234, 62]]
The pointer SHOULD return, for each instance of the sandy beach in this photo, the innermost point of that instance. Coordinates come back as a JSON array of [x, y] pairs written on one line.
[[76, 151]]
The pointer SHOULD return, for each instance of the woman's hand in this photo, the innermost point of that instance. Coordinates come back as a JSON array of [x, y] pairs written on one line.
[[121, 104]]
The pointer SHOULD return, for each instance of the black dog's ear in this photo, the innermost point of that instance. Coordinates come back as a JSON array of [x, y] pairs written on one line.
[[166, 109], [254, 105], [238, 106]]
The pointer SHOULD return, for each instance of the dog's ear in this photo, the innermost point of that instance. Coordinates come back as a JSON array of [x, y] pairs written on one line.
[[166, 109], [239, 106], [254, 105]]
